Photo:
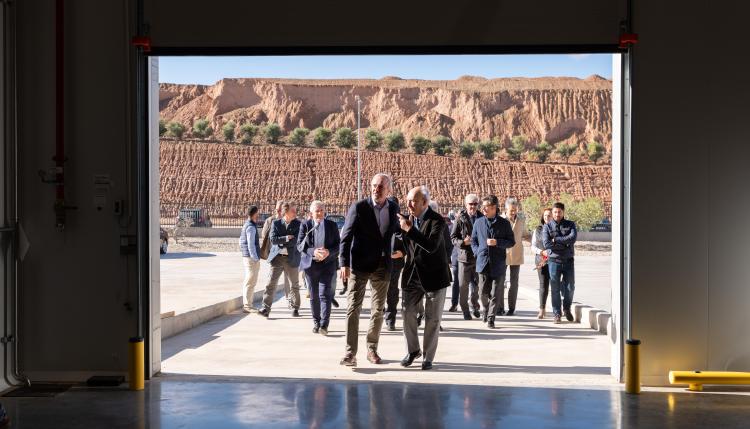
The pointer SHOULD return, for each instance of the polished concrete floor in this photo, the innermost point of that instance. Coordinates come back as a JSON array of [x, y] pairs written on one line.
[[226, 402]]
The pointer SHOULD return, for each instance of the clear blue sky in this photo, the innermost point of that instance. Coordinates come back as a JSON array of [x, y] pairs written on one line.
[[208, 70]]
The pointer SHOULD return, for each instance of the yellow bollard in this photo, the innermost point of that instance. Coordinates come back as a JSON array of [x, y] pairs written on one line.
[[696, 379], [632, 367], [136, 363]]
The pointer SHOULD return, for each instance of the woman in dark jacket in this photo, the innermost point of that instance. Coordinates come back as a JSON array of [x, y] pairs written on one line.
[[540, 259]]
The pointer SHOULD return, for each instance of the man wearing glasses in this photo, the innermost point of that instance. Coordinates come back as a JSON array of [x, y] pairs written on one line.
[[489, 239], [467, 274]]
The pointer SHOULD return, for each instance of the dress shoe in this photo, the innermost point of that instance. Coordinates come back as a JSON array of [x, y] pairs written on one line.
[[295, 313], [467, 315], [491, 324], [349, 360], [343, 291], [373, 357], [409, 358], [453, 309], [510, 312], [426, 365], [441, 328], [477, 314], [264, 312], [391, 325], [324, 332], [501, 312], [316, 329], [334, 303], [558, 319], [568, 315]]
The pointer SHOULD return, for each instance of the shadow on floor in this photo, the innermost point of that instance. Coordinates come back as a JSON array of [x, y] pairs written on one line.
[[488, 368]]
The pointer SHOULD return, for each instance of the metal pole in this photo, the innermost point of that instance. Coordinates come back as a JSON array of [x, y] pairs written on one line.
[[359, 156]]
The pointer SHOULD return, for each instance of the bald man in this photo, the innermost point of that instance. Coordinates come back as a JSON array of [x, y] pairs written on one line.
[[365, 255], [426, 275]]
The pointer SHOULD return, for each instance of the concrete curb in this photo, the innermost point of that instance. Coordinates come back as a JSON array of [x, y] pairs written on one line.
[[171, 326], [595, 318]]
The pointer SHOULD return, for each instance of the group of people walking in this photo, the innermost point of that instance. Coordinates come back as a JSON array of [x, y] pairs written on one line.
[[419, 253]]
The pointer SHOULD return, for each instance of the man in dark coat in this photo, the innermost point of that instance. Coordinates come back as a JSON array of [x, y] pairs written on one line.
[[491, 235], [426, 275], [365, 256], [468, 279], [318, 243]]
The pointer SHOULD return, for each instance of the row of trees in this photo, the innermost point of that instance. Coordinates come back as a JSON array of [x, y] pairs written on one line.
[[585, 213], [394, 141]]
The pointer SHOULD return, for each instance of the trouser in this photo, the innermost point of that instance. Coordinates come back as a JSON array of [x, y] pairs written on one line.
[[456, 289], [391, 308], [468, 281], [562, 282], [543, 275], [492, 293], [252, 267], [380, 279], [279, 265], [319, 283], [413, 295], [513, 290]]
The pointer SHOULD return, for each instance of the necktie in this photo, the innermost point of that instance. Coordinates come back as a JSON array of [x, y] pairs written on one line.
[[319, 235]]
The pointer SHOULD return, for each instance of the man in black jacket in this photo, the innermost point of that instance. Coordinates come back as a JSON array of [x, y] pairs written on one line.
[[365, 255], [468, 279], [426, 274]]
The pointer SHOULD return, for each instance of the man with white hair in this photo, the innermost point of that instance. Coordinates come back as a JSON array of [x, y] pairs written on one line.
[[514, 257], [318, 243], [365, 255], [468, 278], [426, 276]]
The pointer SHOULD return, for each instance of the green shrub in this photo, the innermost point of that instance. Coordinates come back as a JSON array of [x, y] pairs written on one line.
[[395, 141], [585, 213], [517, 147], [488, 149], [442, 145], [532, 208], [595, 151], [565, 150], [297, 136], [272, 133], [542, 151], [321, 137], [162, 127], [228, 131], [175, 129], [345, 138], [420, 144], [467, 149], [373, 139], [201, 129], [248, 133]]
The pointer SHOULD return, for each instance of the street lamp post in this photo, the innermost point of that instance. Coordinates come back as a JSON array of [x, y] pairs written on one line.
[[359, 156]]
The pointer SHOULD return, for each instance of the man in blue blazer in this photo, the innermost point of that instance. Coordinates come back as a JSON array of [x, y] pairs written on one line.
[[365, 255], [318, 243], [284, 258], [491, 235]]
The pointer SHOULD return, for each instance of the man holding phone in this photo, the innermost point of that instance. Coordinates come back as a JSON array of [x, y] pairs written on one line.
[[491, 235]]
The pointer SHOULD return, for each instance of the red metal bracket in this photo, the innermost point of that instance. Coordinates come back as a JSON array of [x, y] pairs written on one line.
[[142, 42], [628, 39]]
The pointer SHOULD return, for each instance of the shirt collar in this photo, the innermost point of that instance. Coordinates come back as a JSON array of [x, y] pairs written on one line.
[[375, 204]]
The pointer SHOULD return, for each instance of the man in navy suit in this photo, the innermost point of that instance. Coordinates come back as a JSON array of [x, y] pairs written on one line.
[[318, 244], [366, 256], [284, 258]]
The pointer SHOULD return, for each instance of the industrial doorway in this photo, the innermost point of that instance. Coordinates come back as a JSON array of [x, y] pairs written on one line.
[[166, 139]]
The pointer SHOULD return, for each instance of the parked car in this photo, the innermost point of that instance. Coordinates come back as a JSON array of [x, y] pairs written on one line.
[[339, 219], [604, 226], [195, 217], [164, 239]]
